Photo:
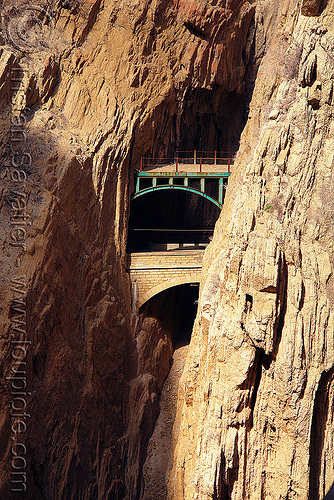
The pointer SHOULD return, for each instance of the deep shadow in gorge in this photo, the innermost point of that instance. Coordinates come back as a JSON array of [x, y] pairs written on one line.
[[175, 310], [172, 311], [212, 120], [206, 120]]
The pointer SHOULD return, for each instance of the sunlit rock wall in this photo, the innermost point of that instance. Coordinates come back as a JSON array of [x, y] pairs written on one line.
[[256, 402]]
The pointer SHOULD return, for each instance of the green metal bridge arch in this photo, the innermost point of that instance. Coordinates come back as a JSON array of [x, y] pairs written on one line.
[[166, 181], [177, 188]]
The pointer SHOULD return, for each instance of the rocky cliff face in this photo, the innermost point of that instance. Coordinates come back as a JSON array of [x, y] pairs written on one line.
[[256, 404], [87, 88]]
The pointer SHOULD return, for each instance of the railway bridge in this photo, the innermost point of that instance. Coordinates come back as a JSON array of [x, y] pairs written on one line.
[[169, 223]]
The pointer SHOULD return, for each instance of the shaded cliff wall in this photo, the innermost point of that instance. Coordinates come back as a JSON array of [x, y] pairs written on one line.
[[256, 398], [90, 87]]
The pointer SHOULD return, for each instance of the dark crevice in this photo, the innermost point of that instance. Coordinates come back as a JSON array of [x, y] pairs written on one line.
[[302, 297], [221, 490], [304, 380], [258, 363], [195, 31], [318, 428], [281, 304], [249, 303], [269, 289], [252, 224]]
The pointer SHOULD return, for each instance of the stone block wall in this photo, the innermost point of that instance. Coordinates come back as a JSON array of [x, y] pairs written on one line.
[[153, 272]]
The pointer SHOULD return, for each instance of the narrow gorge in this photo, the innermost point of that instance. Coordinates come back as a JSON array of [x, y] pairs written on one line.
[[167, 286]]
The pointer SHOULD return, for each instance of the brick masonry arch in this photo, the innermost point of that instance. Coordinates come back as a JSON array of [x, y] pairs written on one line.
[[192, 277], [153, 272]]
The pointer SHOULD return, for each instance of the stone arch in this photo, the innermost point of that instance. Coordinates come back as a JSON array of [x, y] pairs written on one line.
[[192, 277]]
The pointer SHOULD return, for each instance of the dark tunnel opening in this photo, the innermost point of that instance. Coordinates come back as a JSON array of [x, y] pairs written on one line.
[[175, 309]]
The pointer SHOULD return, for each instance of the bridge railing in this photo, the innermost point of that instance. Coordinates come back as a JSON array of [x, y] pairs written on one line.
[[198, 158]]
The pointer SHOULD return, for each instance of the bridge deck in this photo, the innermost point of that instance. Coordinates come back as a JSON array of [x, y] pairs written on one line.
[[184, 168], [191, 161], [170, 259]]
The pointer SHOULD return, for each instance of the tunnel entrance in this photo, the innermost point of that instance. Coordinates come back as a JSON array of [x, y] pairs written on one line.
[[175, 309]]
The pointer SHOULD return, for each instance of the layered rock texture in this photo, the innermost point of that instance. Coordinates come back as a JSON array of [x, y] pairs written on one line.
[[87, 88], [256, 404]]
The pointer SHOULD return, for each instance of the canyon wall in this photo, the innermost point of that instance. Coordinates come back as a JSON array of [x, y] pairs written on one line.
[[87, 88], [255, 409]]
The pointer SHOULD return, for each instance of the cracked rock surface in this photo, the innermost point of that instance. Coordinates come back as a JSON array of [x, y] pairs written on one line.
[[98, 84], [257, 392]]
